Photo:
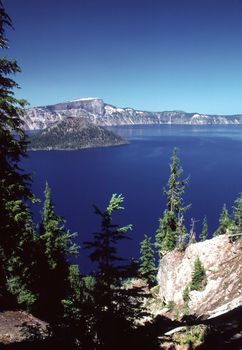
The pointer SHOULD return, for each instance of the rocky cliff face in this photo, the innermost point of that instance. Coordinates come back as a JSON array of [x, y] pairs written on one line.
[[100, 113], [222, 262]]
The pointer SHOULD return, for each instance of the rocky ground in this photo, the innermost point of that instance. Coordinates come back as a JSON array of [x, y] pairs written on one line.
[[18, 328], [222, 261], [211, 318]]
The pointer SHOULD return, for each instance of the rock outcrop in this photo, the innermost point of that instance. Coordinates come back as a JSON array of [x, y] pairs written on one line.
[[18, 327], [100, 113], [222, 261]]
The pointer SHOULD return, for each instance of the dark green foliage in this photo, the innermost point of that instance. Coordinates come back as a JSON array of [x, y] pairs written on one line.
[[171, 305], [172, 232], [204, 233], [55, 246], [79, 308], [185, 294], [72, 304], [198, 276], [104, 246], [224, 222], [55, 238], [175, 187], [147, 266], [237, 214], [16, 229], [166, 235], [115, 304], [74, 133]]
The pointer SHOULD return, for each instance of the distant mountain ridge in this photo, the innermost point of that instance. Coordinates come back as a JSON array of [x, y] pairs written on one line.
[[99, 113]]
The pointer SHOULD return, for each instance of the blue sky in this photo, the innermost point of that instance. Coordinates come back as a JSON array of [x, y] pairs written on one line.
[[151, 55]]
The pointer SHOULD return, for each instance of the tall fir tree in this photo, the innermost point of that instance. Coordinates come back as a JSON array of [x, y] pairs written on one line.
[[176, 186], [115, 304], [147, 266], [55, 247], [224, 222], [171, 232], [16, 229]]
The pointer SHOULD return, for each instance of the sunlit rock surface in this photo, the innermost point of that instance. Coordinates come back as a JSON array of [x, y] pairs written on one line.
[[100, 113], [222, 261]]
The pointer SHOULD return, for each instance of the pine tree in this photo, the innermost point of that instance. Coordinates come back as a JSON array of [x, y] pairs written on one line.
[[204, 233], [104, 247], [166, 234], [224, 222], [237, 213], [236, 223], [175, 187], [79, 308], [198, 275], [115, 304], [147, 266], [16, 229], [55, 247], [172, 232]]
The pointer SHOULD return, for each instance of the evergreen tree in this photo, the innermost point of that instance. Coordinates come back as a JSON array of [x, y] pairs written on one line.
[[172, 232], [115, 305], [16, 229], [166, 234], [147, 266], [175, 187], [236, 222], [104, 246], [198, 276], [224, 222], [237, 213], [55, 247], [204, 233], [79, 308]]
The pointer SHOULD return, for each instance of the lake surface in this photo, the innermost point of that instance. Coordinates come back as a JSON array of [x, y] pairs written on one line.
[[211, 155]]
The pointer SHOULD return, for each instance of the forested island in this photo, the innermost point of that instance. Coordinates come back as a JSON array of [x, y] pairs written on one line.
[[48, 303], [72, 134]]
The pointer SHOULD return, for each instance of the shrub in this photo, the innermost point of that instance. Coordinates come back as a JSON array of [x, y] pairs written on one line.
[[198, 281]]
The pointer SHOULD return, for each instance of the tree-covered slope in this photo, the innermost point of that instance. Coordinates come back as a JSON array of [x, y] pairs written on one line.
[[74, 133]]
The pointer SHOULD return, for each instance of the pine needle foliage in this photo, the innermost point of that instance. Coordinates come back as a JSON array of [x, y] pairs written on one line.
[[171, 232], [166, 234], [55, 245], [147, 266], [104, 248], [237, 213], [198, 275], [115, 304], [16, 229], [224, 222], [176, 186]]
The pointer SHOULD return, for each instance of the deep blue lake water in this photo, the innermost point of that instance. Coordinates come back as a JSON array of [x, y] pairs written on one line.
[[211, 155]]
